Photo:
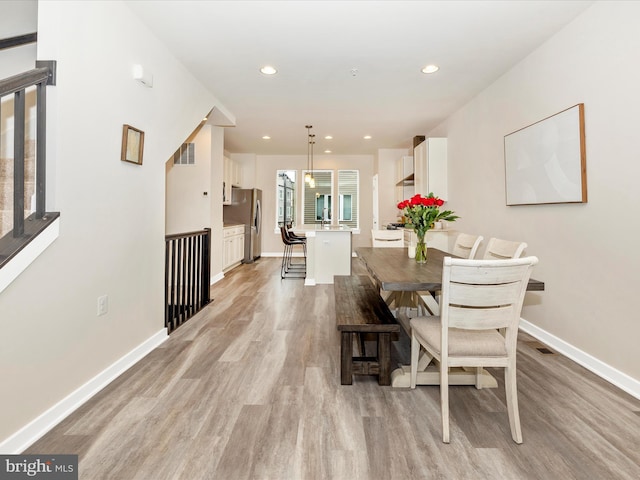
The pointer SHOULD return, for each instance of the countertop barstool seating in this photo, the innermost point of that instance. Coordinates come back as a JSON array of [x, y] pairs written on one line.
[[289, 268], [293, 235], [466, 245], [478, 298], [498, 249]]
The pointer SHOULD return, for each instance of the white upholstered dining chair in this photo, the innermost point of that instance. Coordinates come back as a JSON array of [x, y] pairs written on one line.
[[466, 245], [498, 249], [387, 238], [478, 298]]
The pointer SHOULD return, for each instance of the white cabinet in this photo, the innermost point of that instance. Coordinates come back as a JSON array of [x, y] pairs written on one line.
[[404, 168], [233, 246], [226, 181], [236, 174], [430, 163], [232, 177], [404, 178]]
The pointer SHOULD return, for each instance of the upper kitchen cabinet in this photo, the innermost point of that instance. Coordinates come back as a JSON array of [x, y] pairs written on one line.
[[226, 182], [430, 163], [232, 177], [404, 178], [236, 174]]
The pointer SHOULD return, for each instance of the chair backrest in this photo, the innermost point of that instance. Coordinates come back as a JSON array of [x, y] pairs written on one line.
[[286, 238], [484, 294], [466, 245], [283, 234], [503, 249], [387, 238]]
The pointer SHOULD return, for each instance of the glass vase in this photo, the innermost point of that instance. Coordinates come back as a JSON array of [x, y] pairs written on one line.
[[421, 249]]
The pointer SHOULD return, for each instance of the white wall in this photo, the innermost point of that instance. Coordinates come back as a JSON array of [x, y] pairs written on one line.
[[112, 213], [187, 208], [17, 17], [588, 253], [267, 167], [215, 197]]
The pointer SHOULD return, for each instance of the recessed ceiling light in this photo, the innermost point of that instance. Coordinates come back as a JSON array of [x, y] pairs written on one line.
[[268, 70], [430, 69], [367, 137], [204, 119], [327, 151], [266, 137], [328, 137]]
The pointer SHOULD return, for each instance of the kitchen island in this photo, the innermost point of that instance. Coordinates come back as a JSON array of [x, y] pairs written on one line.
[[328, 252]]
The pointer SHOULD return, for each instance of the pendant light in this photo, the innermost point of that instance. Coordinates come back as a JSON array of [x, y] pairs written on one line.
[[312, 182], [307, 175]]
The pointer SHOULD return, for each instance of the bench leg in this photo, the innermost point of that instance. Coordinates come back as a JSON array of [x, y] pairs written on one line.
[[346, 359], [384, 358]]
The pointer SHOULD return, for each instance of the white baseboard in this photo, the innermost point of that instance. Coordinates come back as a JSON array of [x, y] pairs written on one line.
[[31, 432], [279, 254], [603, 370], [216, 278]]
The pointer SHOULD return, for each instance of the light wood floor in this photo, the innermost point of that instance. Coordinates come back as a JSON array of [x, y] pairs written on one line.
[[250, 389]]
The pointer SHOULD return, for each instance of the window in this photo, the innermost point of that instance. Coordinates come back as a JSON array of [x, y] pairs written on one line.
[[286, 198], [345, 208], [317, 199], [348, 186], [323, 207], [185, 155]]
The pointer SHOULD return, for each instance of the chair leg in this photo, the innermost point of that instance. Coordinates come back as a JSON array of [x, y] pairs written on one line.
[[511, 390], [444, 400], [479, 371], [284, 259], [415, 352]]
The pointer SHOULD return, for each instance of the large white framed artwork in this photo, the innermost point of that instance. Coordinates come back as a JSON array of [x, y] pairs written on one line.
[[546, 162]]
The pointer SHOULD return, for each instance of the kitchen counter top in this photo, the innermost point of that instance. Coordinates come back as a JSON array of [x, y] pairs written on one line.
[[319, 228]]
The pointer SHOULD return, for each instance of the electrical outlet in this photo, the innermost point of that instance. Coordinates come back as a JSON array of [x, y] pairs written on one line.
[[103, 305]]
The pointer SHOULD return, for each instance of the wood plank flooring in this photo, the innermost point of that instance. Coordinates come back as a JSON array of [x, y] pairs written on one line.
[[250, 389]]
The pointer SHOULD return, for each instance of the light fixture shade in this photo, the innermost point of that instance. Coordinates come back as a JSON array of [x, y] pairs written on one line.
[[308, 177], [142, 76], [268, 70], [430, 69]]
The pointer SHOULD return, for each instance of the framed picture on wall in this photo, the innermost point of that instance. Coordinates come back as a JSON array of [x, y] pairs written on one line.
[[546, 162], [132, 144]]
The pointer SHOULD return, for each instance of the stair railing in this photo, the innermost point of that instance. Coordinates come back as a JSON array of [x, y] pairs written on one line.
[[187, 275], [24, 232]]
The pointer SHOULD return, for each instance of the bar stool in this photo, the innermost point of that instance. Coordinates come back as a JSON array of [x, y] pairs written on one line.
[[289, 268]]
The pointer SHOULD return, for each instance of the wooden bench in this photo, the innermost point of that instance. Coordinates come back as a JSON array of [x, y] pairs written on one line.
[[361, 310]]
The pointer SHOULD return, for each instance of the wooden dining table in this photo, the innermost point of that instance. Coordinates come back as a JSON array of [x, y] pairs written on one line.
[[403, 278]]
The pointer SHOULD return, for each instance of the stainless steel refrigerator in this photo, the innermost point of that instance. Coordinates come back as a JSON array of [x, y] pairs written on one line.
[[246, 208]]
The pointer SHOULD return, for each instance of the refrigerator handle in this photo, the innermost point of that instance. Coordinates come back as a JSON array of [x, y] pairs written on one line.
[[258, 219]]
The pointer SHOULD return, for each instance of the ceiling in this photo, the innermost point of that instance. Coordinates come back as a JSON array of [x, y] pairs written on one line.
[[349, 68]]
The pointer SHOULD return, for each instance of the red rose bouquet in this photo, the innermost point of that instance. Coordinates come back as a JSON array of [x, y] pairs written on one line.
[[422, 212]]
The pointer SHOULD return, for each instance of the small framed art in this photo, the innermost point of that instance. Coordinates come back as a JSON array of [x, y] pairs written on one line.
[[132, 144]]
